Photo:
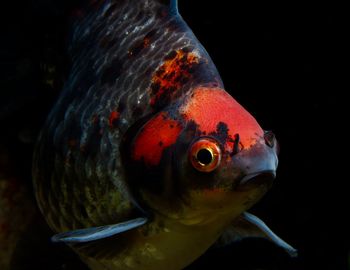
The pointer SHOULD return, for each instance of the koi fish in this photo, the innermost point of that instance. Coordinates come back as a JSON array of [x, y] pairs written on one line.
[[146, 161]]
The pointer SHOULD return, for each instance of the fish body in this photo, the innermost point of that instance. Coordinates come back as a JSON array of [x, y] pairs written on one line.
[[144, 128]]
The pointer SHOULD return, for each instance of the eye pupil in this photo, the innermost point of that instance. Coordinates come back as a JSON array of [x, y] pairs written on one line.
[[205, 156]]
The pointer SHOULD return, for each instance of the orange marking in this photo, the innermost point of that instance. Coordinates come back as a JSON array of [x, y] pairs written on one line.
[[174, 72], [209, 106], [114, 116], [158, 134]]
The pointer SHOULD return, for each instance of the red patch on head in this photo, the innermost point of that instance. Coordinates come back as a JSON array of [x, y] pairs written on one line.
[[158, 134], [210, 106], [172, 74]]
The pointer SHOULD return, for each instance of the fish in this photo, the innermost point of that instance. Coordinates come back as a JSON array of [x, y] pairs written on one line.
[[145, 161]]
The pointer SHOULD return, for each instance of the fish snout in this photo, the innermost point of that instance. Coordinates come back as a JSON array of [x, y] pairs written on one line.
[[265, 178], [258, 164]]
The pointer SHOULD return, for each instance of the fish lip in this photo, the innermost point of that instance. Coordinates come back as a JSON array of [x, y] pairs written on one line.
[[265, 177]]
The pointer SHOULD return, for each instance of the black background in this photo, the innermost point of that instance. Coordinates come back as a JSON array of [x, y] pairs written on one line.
[[284, 62]]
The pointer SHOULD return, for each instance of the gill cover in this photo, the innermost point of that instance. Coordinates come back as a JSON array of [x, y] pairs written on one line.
[[155, 136]]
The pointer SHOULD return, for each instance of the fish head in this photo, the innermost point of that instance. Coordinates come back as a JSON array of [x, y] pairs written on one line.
[[202, 159]]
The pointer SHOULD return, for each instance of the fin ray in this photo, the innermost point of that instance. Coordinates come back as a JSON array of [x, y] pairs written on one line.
[[96, 233], [248, 225], [269, 234]]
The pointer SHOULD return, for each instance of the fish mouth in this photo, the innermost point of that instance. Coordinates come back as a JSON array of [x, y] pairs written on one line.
[[252, 180]]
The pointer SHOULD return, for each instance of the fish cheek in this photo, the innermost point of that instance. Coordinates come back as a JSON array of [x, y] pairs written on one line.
[[147, 158], [229, 173], [157, 188], [189, 179], [155, 136]]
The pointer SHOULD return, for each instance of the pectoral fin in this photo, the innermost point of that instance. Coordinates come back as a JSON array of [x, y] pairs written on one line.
[[97, 233], [248, 225]]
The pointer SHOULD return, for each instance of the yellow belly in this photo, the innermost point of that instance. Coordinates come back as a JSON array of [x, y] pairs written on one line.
[[158, 245]]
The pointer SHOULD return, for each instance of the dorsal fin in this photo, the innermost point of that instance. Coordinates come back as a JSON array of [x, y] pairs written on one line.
[[80, 10], [172, 5]]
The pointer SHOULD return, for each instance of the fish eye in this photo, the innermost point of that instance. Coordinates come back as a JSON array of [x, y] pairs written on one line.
[[205, 155]]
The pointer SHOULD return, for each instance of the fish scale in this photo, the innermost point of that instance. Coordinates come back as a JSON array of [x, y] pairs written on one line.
[[78, 105], [117, 168]]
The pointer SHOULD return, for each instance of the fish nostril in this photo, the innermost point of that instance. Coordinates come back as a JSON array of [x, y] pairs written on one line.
[[269, 138]]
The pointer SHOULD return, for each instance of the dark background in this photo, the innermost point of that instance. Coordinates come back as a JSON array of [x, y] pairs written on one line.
[[283, 62]]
